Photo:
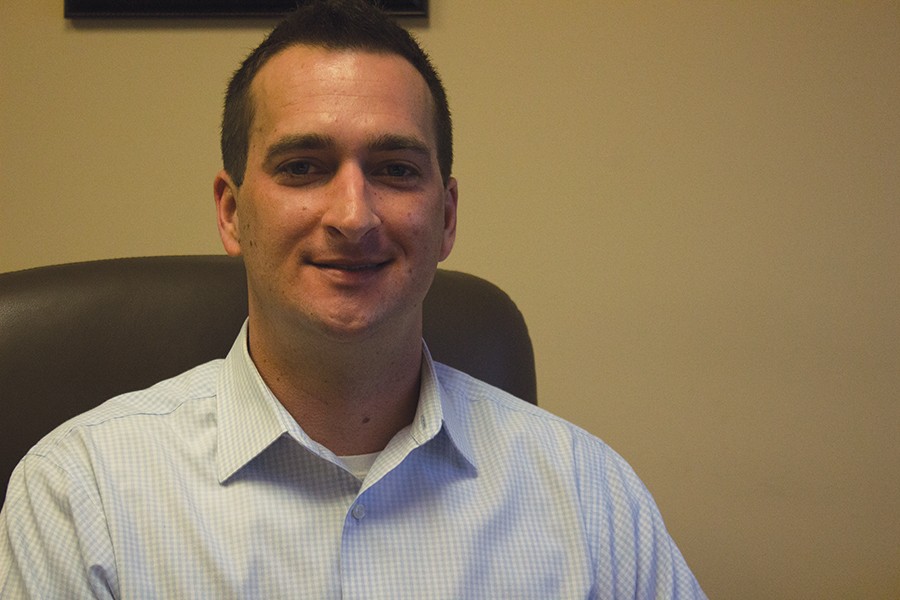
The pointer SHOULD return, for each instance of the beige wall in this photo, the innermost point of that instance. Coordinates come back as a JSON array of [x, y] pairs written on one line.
[[696, 205]]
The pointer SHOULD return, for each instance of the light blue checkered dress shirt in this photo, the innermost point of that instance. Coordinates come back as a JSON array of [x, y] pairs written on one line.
[[203, 486]]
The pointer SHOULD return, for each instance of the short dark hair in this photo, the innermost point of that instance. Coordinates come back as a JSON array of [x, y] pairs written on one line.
[[334, 25]]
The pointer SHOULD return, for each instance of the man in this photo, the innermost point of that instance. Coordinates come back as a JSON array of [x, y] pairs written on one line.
[[328, 456]]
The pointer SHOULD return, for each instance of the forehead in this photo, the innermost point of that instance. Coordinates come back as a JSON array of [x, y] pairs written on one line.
[[310, 88]]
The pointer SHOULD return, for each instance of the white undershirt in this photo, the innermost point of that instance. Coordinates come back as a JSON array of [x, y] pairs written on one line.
[[359, 464]]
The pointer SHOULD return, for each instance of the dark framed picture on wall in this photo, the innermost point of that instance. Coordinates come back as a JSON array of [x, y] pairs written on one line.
[[91, 9]]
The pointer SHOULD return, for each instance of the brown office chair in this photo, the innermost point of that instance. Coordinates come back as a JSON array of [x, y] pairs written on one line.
[[74, 335]]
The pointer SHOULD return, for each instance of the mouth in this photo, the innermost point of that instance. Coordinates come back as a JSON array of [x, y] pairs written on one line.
[[351, 266]]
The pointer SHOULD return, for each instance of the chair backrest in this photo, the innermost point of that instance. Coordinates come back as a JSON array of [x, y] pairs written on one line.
[[74, 335]]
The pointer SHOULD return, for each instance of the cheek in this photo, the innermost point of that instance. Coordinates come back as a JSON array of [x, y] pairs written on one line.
[[246, 231], [275, 224], [426, 234]]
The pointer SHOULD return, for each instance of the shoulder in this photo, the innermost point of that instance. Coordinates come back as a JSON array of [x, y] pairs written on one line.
[[552, 462], [498, 421], [76, 463], [486, 402], [134, 414], [537, 446]]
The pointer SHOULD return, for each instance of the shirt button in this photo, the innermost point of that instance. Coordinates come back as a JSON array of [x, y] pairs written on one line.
[[358, 512]]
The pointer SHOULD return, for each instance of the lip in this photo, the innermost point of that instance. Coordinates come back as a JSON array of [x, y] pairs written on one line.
[[349, 269], [351, 266]]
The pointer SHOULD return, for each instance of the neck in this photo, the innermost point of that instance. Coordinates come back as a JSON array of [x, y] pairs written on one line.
[[351, 396]]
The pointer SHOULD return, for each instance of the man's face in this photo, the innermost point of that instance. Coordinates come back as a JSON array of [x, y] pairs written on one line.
[[342, 216]]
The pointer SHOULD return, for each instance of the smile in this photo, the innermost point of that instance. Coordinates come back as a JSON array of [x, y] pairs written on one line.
[[351, 267]]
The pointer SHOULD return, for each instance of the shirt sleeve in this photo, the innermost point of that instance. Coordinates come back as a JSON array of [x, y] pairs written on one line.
[[54, 542], [633, 554]]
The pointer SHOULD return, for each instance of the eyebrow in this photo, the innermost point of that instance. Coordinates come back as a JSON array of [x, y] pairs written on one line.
[[303, 141], [391, 142], [388, 142]]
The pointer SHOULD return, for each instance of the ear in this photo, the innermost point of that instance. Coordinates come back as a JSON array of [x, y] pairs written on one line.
[[451, 198], [225, 192]]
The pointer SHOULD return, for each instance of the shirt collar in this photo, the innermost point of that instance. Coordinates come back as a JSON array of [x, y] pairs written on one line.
[[439, 408], [250, 418], [248, 422]]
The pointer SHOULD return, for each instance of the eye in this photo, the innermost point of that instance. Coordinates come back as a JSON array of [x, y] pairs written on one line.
[[296, 168], [398, 174], [398, 171], [298, 171]]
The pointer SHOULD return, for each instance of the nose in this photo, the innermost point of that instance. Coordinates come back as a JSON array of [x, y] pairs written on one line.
[[350, 212]]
